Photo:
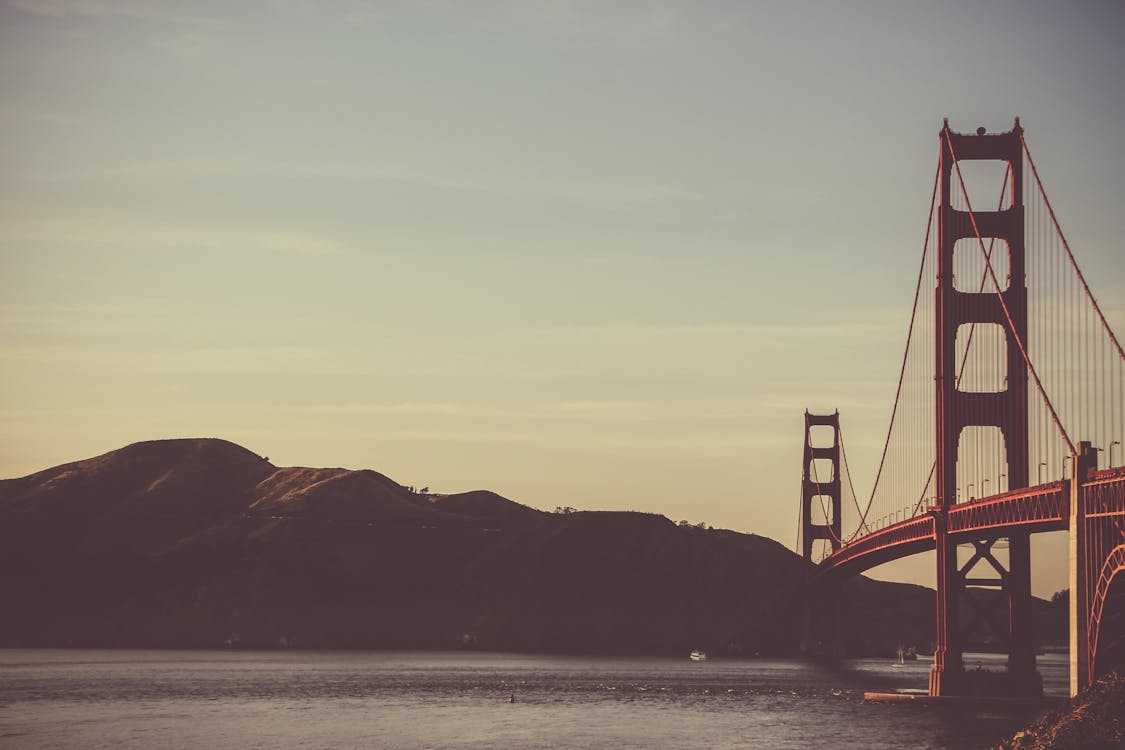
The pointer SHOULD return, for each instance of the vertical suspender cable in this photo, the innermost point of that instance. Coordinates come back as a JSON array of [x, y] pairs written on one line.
[[1003, 303], [1073, 263], [906, 351]]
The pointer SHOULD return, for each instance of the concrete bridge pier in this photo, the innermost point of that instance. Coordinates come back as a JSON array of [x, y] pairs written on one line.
[[1085, 462]]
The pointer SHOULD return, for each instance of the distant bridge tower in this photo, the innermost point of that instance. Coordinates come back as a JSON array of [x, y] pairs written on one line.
[[956, 311], [820, 488]]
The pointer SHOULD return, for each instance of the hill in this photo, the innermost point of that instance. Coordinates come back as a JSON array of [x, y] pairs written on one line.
[[200, 542]]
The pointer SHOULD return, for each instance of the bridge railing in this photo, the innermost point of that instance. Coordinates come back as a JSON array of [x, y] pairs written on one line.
[[1045, 505]]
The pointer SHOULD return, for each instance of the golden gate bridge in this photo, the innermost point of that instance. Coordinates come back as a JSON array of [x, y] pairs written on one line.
[[1010, 396]]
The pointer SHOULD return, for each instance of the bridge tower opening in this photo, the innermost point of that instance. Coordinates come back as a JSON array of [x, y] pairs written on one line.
[[820, 484], [959, 407]]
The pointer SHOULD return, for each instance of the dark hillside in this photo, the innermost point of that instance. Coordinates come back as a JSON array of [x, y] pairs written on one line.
[[487, 507], [201, 542]]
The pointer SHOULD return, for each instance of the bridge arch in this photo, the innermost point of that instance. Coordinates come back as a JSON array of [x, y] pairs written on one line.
[[1108, 605]]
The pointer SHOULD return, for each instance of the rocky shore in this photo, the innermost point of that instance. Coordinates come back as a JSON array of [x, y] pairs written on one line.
[[1095, 720]]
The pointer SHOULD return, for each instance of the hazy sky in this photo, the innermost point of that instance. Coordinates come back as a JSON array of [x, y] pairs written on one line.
[[598, 254]]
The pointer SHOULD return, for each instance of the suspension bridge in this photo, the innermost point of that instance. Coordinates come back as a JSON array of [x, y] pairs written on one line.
[[1010, 396]]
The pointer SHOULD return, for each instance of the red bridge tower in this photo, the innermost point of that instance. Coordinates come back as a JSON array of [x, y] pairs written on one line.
[[957, 311], [815, 487]]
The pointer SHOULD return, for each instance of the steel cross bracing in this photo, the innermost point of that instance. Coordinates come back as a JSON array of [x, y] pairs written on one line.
[[1021, 354], [1040, 508]]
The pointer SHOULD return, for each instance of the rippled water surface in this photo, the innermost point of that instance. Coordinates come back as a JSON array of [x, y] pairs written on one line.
[[292, 699]]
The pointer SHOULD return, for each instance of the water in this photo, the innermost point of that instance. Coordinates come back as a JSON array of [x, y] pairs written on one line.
[[292, 699]]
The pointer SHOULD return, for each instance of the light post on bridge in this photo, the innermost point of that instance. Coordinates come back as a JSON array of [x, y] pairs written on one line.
[[1000, 484], [984, 488], [969, 492], [1042, 465], [1115, 442]]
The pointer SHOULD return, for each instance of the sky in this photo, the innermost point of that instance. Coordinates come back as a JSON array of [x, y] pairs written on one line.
[[588, 254]]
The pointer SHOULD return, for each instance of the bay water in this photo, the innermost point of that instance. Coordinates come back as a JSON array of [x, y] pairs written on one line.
[[120, 699]]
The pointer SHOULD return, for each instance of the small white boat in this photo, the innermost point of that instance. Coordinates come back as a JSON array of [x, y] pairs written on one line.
[[904, 655], [698, 655]]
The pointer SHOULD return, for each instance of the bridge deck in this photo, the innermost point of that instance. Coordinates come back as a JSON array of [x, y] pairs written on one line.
[[1045, 507]]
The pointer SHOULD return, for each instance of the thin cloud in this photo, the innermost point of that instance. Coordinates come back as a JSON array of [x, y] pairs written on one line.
[[606, 195], [185, 45], [779, 332], [39, 322], [611, 260], [161, 359], [732, 410], [149, 237], [138, 10], [679, 445]]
